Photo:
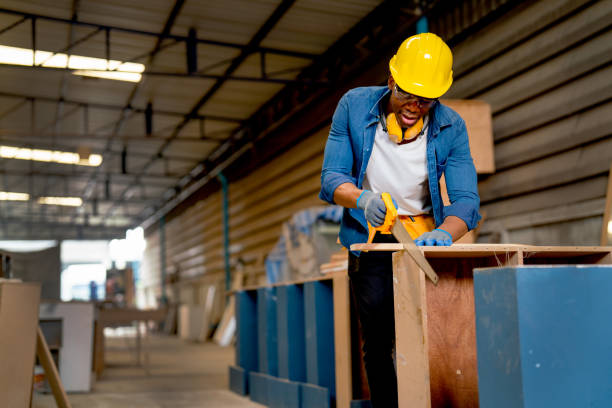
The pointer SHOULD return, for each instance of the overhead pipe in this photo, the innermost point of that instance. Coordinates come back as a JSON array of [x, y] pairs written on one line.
[[162, 256], [226, 252]]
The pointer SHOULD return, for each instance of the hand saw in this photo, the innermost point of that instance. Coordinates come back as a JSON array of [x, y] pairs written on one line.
[[390, 226]]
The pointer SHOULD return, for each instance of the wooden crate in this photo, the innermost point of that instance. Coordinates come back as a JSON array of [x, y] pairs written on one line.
[[435, 325]]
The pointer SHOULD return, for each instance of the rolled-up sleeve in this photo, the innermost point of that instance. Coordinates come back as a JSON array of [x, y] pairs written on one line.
[[338, 157], [461, 181]]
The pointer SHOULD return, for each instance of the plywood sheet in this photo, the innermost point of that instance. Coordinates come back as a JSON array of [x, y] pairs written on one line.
[[477, 117], [18, 326]]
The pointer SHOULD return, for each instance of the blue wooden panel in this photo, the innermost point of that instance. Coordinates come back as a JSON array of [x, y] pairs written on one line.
[[361, 404], [267, 331], [238, 379], [314, 396], [283, 393], [543, 336], [319, 326], [258, 387], [246, 330], [290, 321]]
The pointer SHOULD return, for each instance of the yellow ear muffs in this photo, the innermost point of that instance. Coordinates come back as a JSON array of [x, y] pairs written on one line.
[[397, 134]]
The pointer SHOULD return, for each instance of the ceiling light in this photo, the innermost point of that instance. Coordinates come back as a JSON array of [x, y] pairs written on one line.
[[68, 201], [6, 196], [84, 66], [609, 227], [55, 156], [120, 76]]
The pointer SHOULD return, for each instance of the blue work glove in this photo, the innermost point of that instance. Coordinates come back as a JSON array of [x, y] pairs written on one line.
[[373, 206], [437, 237]]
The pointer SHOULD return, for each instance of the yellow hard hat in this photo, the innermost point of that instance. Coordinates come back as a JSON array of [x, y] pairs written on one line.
[[423, 66]]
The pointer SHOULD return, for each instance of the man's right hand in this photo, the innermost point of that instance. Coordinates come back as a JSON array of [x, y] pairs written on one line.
[[373, 207]]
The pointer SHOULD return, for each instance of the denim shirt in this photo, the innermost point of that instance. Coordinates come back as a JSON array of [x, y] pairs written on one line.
[[350, 143]]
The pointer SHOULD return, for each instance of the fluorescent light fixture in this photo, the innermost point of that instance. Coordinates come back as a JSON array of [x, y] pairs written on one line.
[[55, 156], [7, 196], [67, 201], [84, 66], [610, 227]]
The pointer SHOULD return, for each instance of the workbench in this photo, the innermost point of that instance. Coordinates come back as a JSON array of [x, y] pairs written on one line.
[[435, 325], [115, 317], [283, 331]]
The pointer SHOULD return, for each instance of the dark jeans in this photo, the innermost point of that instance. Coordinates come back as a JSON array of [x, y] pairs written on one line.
[[371, 276]]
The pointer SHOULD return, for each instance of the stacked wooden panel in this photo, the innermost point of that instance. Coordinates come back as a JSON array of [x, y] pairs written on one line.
[[545, 70], [259, 204]]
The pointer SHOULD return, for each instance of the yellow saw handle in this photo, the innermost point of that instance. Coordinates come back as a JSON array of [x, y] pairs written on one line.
[[390, 218]]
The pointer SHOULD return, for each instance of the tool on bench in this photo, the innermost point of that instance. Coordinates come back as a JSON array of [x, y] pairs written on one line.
[[392, 225]]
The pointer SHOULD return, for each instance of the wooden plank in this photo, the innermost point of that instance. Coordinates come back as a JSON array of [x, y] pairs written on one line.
[[583, 231], [584, 162], [557, 136], [299, 176], [455, 250], [98, 349], [411, 333], [565, 100], [534, 51], [552, 215], [127, 315], [451, 328], [515, 27], [581, 191], [276, 217], [606, 225], [303, 152], [342, 341], [284, 196], [592, 54], [477, 117], [18, 324], [51, 373]]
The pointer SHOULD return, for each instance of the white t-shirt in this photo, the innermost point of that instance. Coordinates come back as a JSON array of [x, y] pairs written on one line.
[[400, 170]]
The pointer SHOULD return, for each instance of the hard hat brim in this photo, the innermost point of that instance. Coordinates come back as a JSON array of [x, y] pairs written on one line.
[[416, 88]]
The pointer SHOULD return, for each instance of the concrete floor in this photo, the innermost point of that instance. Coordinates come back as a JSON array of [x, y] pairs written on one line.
[[178, 375]]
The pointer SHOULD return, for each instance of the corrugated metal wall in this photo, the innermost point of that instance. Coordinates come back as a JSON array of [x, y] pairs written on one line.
[[545, 69]]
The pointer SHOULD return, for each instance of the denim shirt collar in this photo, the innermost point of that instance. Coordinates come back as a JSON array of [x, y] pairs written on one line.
[[438, 120], [377, 109]]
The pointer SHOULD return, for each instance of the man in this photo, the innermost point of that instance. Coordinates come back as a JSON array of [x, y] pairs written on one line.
[[397, 139]]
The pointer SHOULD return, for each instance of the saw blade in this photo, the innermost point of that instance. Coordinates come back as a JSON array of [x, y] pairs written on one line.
[[403, 237]]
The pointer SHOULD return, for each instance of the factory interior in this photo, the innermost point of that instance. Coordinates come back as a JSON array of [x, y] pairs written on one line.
[[305, 203]]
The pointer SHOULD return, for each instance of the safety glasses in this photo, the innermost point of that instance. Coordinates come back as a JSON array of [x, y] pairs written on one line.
[[406, 97]]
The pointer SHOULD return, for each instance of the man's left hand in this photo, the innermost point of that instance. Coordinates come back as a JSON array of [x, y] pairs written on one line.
[[437, 237]]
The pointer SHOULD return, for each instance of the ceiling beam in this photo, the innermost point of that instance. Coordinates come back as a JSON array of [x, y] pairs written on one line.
[[18, 228], [254, 42], [103, 106], [23, 137], [164, 35], [198, 75], [130, 152], [160, 180]]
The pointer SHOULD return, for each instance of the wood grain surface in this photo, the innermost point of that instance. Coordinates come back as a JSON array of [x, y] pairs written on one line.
[[451, 329]]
